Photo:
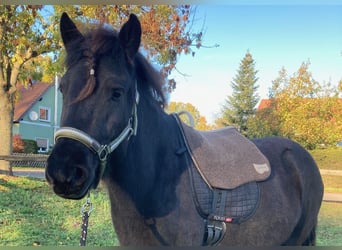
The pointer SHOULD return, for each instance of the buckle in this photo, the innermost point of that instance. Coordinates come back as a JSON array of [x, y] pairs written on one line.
[[215, 232], [103, 153]]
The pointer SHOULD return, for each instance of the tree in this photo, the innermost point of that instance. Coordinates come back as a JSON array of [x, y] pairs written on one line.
[[166, 29], [241, 104], [29, 37], [267, 121], [263, 123], [305, 110], [200, 121], [24, 35]]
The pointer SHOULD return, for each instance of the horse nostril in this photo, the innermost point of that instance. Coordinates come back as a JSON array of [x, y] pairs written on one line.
[[70, 176], [80, 174], [75, 175]]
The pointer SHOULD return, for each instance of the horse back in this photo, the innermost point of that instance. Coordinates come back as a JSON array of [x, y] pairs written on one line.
[[287, 155]]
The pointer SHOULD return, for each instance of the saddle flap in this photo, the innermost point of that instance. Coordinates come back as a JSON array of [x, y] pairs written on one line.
[[225, 158]]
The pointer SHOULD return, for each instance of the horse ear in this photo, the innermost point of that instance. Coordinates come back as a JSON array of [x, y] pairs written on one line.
[[69, 31], [130, 36]]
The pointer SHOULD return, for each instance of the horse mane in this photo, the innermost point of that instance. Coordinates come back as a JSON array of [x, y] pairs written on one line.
[[103, 41]]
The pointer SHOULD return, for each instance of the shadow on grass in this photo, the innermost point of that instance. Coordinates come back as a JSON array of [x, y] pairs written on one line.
[[5, 184]]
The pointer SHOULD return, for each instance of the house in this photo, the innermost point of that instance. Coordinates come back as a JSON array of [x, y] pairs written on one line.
[[264, 103], [37, 113]]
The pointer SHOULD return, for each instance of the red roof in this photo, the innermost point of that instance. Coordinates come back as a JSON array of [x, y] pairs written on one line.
[[264, 103], [28, 96]]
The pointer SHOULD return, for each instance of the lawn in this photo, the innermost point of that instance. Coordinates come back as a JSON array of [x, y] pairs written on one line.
[[32, 215], [329, 231], [331, 159]]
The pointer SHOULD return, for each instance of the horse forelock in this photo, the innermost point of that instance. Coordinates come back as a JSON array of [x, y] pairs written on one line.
[[97, 43], [101, 42]]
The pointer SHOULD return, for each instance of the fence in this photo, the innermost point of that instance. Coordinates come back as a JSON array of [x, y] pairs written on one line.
[[25, 160], [39, 160]]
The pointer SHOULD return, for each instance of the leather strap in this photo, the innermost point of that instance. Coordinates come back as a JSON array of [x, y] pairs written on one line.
[[103, 150], [215, 229]]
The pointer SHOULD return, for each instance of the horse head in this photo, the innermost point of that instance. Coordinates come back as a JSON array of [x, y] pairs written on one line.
[[99, 104]]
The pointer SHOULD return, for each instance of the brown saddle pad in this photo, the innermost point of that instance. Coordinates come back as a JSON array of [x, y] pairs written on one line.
[[224, 157]]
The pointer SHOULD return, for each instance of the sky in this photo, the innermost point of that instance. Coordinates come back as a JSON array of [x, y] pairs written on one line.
[[276, 35]]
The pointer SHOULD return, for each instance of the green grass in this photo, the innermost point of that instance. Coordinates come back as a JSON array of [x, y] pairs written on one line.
[[329, 230], [31, 214], [329, 158]]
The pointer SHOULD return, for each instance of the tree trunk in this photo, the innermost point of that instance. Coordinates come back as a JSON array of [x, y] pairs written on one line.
[[6, 119]]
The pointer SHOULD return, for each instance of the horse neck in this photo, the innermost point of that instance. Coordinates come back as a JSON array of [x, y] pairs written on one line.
[[151, 169]]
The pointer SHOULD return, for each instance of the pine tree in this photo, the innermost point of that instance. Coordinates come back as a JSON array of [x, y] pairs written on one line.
[[241, 104]]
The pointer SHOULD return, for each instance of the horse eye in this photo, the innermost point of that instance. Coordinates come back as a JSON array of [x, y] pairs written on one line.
[[116, 94]]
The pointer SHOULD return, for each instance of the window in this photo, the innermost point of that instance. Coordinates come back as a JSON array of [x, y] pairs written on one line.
[[44, 114], [43, 145]]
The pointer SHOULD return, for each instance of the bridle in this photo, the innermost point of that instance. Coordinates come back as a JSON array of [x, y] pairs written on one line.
[[103, 151]]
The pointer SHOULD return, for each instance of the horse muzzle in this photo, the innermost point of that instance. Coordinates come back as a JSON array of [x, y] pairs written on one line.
[[69, 168], [71, 174]]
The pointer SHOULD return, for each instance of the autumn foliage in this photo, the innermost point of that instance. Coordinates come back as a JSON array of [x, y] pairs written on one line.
[[301, 109], [166, 29], [31, 46], [18, 144], [199, 121]]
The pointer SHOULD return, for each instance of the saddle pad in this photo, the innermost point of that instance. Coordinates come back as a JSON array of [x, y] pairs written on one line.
[[241, 202], [225, 158]]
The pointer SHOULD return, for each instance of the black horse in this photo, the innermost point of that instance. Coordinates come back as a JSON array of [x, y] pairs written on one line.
[[114, 128]]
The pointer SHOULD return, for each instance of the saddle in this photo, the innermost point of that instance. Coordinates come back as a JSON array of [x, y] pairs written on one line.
[[225, 171]]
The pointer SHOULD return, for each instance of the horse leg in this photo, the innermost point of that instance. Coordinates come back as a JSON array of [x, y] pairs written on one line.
[[128, 223], [311, 240], [183, 226], [294, 238]]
